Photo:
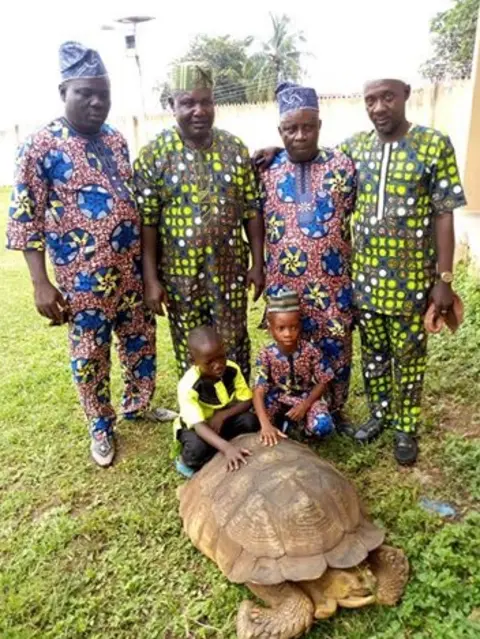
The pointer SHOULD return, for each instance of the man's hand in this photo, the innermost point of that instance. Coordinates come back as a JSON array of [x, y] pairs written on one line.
[[236, 456], [264, 157], [216, 422], [442, 297], [299, 411], [155, 296], [50, 302], [256, 276], [269, 435]]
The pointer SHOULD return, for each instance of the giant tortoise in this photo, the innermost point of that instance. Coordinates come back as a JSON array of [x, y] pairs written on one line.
[[290, 527]]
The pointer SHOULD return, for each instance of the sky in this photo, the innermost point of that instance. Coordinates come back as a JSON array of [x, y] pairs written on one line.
[[349, 41]]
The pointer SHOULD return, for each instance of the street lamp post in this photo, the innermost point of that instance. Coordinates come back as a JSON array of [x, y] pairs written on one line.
[[131, 23]]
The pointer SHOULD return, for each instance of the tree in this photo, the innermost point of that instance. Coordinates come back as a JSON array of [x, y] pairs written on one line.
[[241, 76], [228, 58], [162, 90], [453, 34], [279, 59]]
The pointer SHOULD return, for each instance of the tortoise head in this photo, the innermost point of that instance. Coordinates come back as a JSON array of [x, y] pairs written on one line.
[[353, 587]]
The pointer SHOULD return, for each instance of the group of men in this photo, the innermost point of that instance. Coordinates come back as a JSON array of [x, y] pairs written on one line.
[[363, 233]]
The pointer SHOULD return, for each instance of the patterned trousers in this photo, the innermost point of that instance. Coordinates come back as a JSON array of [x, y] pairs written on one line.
[[341, 366], [317, 422], [208, 305], [90, 332], [394, 350], [337, 351]]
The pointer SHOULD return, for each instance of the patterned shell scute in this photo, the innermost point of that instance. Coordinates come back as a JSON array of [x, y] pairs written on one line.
[[286, 515]]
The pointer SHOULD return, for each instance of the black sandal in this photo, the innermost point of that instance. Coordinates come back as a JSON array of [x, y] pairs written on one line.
[[405, 448], [342, 424], [369, 431]]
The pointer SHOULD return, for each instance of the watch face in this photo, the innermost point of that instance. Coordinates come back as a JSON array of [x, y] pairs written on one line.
[[446, 277]]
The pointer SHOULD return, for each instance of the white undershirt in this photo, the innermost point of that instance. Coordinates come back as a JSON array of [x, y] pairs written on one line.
[[387, 148]]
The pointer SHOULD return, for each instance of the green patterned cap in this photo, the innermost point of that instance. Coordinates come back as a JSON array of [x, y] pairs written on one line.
[[284, 301], [188, 76]]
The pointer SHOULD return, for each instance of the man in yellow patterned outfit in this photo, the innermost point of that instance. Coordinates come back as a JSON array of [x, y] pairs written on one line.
[[196, 192], [403, 242]]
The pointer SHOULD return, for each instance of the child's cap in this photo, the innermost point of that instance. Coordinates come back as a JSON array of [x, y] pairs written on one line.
[[284, 302]]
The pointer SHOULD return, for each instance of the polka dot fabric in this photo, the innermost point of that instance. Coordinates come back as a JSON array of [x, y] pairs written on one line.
[[401, 187], [199, 200], [394, 353]]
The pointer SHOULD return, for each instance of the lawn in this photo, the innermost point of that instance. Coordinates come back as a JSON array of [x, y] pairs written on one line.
[[86, 552]]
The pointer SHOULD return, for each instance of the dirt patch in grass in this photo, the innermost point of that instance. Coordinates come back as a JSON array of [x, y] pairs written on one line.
[[428, 476], [46, 510], [463, 420], [134, 440]]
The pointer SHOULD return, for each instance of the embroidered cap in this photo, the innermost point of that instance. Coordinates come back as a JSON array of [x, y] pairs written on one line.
[[284, 302], [78, 61], [293, 97]]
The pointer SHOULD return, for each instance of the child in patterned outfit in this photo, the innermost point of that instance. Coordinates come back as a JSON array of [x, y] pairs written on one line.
[[291, 382]]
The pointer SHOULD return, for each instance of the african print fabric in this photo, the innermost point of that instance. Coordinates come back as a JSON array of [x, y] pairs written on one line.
[[394, 350], [78, 61], [307, 210], [283, 302], [402, 186], [199, 200], [72, 196], [293, 97], [188, 76], [289, 379]]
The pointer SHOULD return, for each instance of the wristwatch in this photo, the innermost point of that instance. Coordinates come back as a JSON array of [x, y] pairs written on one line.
[[446, 276]]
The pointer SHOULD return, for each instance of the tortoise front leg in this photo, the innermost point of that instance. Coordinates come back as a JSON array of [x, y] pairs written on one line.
[[290, 613], [324, 606]]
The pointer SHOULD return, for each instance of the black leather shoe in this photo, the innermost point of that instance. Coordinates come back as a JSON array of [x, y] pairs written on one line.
[[342, 424], [369, 431], [405, 448]]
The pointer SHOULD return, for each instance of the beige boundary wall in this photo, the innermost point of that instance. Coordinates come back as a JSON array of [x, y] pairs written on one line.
[[445, 107]]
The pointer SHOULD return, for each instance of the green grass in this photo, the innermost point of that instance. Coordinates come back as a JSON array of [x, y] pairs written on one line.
[[97, 553]]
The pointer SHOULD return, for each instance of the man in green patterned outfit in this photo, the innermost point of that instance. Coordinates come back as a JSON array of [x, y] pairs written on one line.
[[196, 192], [408, 187]]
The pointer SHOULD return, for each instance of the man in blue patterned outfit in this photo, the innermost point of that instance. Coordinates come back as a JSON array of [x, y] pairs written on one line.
[[72, 196]]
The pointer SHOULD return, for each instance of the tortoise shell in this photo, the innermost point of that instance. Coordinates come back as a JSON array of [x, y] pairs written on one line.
[[287, 515]]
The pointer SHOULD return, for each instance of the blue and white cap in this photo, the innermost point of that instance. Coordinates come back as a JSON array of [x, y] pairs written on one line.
[[78, 61], [293, 97]]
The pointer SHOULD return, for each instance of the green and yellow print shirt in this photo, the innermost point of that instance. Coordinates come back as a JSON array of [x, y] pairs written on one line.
[[199, 199], [401, 187], [200, 398]]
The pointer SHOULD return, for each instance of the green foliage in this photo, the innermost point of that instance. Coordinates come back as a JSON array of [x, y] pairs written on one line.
[[243, 74], [228, 58], [446, 582], [462, 375], [279, 60], [162, 89], [453, 35], [94, 553]]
